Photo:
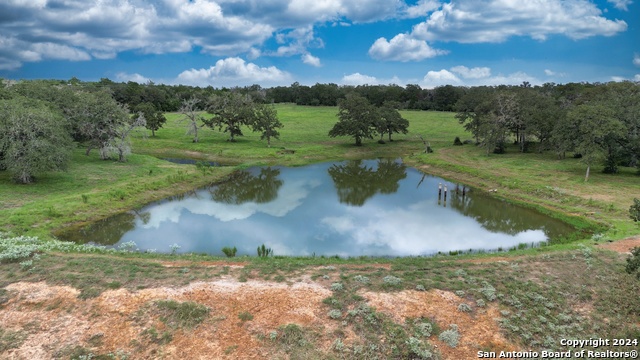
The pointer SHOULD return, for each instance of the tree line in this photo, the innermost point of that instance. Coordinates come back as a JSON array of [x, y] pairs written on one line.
[[42, 121], [599, 123]]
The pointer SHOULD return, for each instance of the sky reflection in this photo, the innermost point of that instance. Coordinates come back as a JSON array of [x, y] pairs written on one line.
[[374, 207]]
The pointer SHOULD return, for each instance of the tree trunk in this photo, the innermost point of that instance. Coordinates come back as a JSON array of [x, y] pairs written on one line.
[[586, 177]]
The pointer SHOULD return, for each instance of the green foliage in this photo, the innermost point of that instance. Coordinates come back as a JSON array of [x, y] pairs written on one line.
[[633, 262], [204, 167], [264, 251], [245, 316], [450, 336], [390, 121], [634, 210], [266, 122], [186, 314], [230, 251], [232, 110], [335, 314], [11, 339], [356, 119], [34, 139], [154, 119], [98, 120]]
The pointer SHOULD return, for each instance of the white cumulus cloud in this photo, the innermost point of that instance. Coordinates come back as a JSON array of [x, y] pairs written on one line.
[[636, 59], [421, 8], [621, 4], [474, 21], [125, 77], [359, 79], [234, 71], [311, 60], [439, 78], [473, 73], [402, 47]]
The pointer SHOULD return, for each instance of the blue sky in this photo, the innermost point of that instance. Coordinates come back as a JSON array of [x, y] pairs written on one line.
[[277, 42]]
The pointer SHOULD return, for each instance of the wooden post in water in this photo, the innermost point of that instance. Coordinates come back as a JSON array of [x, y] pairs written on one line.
[[445, 193], [439, 190]]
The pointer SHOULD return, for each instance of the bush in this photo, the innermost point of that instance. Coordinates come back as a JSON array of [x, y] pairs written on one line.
[[457, 141], [634, 210], [633, 262], [335, 314], [450, 337], [229, 251], [264, 251], [391, 280]]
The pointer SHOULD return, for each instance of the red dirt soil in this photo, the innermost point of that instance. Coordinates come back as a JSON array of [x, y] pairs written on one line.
[[55, 319]]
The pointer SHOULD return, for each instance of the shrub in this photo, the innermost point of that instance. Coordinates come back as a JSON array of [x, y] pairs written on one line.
[[464, 307], [337, 287], [335, 314], [391, 280], [186, 314], [450, 337], [424, 329], [245, 316], [633, 262], [634, 210], [229, 251], [457, 141], [264, 251]]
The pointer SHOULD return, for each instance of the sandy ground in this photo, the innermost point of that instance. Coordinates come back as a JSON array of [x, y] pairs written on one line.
[[55, 319]]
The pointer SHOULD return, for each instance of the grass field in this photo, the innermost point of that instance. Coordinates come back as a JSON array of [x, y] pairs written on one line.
[[541, 295]]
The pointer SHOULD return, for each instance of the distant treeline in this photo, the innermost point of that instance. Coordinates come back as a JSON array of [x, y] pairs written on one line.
[[599, 122]]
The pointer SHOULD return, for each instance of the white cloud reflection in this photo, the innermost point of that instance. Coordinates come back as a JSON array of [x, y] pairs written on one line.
[[290, 196], [417, 229]]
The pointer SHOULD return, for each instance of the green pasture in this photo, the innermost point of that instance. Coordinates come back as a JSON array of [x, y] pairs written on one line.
[[94, 188]]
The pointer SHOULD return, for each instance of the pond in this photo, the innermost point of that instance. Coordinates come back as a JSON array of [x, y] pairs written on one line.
[[351, 208]]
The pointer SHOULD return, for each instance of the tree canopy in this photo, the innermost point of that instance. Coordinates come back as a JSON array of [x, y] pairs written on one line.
[[34, 139]]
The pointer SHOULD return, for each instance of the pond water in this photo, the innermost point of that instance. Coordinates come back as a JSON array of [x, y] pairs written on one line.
[[352, 208]]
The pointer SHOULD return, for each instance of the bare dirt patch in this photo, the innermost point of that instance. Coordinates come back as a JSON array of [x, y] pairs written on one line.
[[478, 330], [124, 321], [622, 246]]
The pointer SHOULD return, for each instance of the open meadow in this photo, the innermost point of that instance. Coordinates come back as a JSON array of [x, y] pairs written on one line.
[[65, 301]]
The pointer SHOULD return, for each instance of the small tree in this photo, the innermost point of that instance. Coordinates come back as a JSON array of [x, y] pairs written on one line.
[[191, 116], [391, 122], [154, 119], [594, 124], [230, 111], [266, 121], [120, 144], [357, 118]]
